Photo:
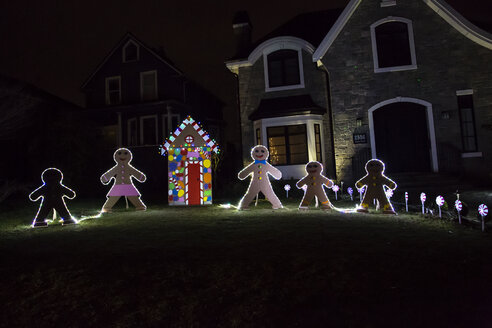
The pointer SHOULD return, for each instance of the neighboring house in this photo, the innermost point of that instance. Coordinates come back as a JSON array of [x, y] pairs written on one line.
[[141, 97], [409, 83]]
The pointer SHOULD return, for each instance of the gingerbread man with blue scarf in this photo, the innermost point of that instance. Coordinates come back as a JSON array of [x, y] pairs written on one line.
[[260, 169]]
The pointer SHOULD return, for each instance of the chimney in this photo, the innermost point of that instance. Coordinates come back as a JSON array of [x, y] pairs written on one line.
[[242, 31]]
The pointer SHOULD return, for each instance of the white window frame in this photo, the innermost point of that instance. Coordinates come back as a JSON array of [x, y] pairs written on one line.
[[155, 84], [169, 124], [142, 118], [107, 80], [283, 46], [296, 171], [123, 53], [413, 57], [128, 139]]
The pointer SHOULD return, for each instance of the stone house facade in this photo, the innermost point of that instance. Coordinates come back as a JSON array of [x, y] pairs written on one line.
[[409, 83]]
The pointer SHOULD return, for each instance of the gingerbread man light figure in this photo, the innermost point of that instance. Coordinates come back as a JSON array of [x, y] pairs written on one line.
[[313, 183], [375, 181], [52, 193], [260, 182], [122, 174]]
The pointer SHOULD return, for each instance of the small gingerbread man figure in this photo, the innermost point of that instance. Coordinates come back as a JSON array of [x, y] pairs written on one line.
[[313, 186], [122, 174], [260, 182], [375, 181], [52, 193]]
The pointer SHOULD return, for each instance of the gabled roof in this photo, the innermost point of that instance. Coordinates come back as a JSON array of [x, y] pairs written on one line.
[[189, 121], [450, 15], [129, 36], [310, 27], [286, 106]]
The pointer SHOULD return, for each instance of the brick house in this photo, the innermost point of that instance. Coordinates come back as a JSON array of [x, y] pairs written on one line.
[[409, 82]]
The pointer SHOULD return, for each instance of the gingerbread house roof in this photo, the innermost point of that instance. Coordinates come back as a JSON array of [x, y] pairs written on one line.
[[189, 124]]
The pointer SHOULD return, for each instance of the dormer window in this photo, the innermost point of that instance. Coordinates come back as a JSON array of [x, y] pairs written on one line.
[[131, 52], [393, 45], [283, 70]]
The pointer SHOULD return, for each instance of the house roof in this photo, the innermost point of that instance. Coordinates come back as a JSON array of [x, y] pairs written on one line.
[[310, 27], [129, 36], [450, 15], [286, 106], [189, 121]]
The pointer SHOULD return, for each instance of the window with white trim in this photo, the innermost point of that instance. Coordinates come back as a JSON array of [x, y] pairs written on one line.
[[393, 45], [132, 132], [148, 85], [287, 144], [467, 122], [131, 52], [170, 122], [148, 130], [113, 90]]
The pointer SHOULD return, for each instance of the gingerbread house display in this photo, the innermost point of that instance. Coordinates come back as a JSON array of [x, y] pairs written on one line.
[[189, 151]]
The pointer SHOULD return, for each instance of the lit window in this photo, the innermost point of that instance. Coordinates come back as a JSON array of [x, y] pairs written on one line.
[[130, 52], [283, 68], [148, 85], [467, 121], [393, 45], [287, 144], [148, 130], [113, 90]]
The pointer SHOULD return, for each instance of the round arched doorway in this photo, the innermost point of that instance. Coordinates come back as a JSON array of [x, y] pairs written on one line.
[[401, 137]]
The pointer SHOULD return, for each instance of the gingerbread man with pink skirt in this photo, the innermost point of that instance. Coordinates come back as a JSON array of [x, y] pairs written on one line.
[[122, 174]]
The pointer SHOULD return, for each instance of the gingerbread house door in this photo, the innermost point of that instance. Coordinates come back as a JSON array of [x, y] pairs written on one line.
[[194, 175]]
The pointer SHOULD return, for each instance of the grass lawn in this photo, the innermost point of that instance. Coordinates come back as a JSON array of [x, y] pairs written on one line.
[[215, 267]]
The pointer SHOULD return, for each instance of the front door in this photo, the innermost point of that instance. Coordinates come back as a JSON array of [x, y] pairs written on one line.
[[194, 183], [401, 136]]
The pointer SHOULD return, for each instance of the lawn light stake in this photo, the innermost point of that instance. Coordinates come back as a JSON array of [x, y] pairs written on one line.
[[350, 192], [389, 193], [361, 192], [335, 188], [287, 188], [483, 210], [406, 200], [341, 187], [459, 206], [422, 199], [439, 202]]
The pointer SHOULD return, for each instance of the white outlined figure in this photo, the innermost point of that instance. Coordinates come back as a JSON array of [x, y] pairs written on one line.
[[260, 169], [52, 194], [313, 183], [122, 174]]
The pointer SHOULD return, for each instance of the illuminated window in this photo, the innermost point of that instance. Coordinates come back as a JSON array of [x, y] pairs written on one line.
[[148, 85], [132, 132], [283, 68], [317, 141], [287, 144], [130, 52], [392, 45], [467, 121], [148, 130], [113, 90], [258, 137]]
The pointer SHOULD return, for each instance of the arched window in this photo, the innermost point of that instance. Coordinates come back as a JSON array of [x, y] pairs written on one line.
[[393, 45], [283, 68], [130, 52]]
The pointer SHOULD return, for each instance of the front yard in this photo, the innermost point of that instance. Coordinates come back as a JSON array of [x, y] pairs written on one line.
[[216, 267]]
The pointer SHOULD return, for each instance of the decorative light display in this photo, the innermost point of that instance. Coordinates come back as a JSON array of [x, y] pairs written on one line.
[[361, 192], [52, 193], [389, 193], [350, 192], [259, 170], [375, 180], [287, 188], [406, 201], [189, 153], [459, 206], [439, 202], [312, 184], [122, 174], [341, 187], [423, 197], [335, 188], [483, 210]]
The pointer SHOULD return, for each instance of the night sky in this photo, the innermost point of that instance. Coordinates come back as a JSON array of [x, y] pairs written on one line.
[[55, 45]]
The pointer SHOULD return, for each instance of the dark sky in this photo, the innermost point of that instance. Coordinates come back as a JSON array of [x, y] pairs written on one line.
[[57, 44]]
